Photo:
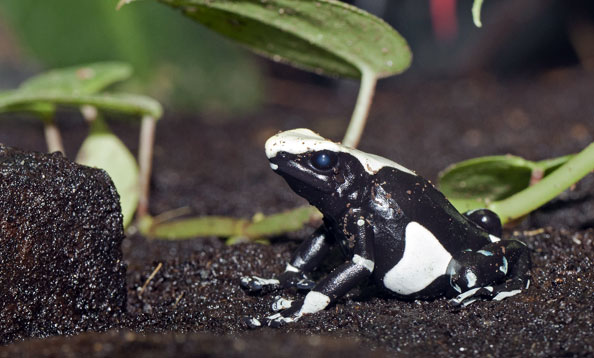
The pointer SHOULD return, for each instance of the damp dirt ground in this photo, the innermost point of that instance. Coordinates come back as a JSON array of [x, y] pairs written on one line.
[[193, 306]]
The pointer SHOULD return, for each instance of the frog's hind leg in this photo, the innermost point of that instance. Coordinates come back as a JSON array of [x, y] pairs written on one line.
[[487, 220], [496, 271]]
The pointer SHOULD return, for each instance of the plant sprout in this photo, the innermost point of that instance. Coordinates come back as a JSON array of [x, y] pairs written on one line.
[[81, 87]]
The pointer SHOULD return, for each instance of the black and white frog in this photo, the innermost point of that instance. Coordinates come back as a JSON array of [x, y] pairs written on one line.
[[393, 227]]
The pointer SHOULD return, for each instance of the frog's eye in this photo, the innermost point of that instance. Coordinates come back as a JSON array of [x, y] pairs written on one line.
[[324, 160]]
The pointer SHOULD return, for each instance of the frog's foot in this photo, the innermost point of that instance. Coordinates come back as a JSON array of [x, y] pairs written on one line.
[[290, 314], [493, 292], [281, 303], [255, 284]]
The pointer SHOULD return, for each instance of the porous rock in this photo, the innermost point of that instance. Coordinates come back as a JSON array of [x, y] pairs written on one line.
[[61, 268]]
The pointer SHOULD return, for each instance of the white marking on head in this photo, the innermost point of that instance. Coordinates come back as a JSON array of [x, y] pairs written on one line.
[[314, 302], [302, 140], [505, 294], [273, 166], [494, 238], [424, 259], [471, 278], [361, 261]]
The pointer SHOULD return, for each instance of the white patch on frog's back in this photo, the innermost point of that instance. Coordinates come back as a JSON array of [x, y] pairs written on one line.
[[424, 259], [302, 140]]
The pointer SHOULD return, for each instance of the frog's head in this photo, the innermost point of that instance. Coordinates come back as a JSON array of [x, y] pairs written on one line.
[[326, 173]]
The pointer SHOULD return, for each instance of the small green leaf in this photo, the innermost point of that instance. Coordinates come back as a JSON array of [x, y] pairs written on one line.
[[477, 182], [121, 102], [102, 149], [78, 80], [324, 36]]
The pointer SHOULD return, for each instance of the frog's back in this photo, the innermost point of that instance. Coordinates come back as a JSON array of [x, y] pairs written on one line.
[[421, 203]]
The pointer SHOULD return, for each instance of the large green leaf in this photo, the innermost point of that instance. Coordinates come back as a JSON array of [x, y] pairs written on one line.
[[475, 183], [78, 80], [102, 149], [324, 36]]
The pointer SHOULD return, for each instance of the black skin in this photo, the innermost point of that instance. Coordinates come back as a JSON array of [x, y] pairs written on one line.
[[366, 214]]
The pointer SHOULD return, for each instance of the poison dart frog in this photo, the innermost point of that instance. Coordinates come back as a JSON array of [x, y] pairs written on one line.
[[394, 229]]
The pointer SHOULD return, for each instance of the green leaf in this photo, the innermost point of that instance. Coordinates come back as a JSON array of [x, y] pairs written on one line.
[[477, 182], [260, 226], [77, 80], [102, 149], [121, 102], [324, 36]]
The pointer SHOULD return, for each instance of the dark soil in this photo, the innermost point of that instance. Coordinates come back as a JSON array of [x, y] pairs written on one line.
[[221, 169]]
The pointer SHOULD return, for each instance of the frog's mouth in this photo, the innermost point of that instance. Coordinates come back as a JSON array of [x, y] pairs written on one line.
[[300, 177]]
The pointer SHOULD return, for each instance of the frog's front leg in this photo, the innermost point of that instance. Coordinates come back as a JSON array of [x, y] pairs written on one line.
[[309, 255], [337, 283], [496, 271]]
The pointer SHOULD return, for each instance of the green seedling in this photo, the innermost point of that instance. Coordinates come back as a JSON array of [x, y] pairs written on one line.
[[512, 186], [81, 87]]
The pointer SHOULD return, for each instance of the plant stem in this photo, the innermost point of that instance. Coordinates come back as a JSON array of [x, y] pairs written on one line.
[[476, 12], [52, 136], [548, 188], [359, 118], [145, 160]]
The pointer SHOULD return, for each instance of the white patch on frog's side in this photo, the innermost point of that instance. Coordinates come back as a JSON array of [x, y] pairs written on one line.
[[424, 259], [494, 238], [470, 279], [273, 166], [314, 302], [302, 140], [505, 294], [361, 261]]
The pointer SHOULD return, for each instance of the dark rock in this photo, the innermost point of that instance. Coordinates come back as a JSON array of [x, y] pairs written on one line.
[[61, 268]]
